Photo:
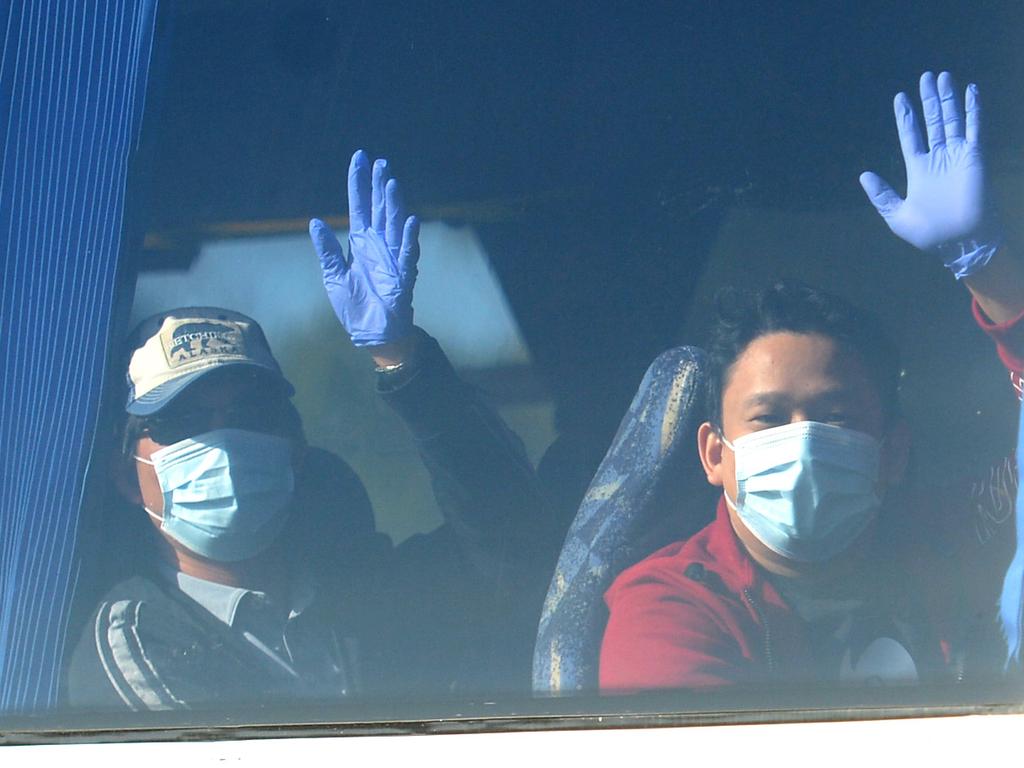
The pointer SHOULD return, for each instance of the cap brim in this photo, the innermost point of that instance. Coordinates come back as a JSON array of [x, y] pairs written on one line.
[[163, 395]]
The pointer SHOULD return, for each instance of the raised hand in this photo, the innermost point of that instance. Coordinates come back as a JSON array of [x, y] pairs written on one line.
[[946, 209], [371, 289]]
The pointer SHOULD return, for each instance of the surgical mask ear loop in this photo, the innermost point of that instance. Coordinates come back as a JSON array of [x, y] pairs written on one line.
[[721, 436], [154, 515], [150, 512]]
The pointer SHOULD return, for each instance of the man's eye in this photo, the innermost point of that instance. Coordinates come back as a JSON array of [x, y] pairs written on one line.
[[767, 419]]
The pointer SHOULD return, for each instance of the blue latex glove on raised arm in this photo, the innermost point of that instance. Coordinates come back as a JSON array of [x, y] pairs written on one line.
[[947, 209], [371, 288]]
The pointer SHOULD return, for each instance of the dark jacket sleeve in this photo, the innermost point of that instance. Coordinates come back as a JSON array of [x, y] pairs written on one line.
[[486, 488], [467, 597], [137, 652], [91, 683]]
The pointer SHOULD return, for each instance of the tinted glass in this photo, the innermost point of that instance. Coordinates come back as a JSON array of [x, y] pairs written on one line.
[[586, 180]]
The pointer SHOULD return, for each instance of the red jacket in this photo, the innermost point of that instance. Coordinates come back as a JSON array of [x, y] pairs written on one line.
[[701, 613], [697, 613]]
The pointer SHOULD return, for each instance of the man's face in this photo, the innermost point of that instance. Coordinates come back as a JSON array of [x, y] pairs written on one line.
[[234, 398], [782, 378]]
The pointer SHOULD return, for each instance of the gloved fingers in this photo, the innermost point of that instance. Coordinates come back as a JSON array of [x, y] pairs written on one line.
[[973, 114], [881, 195], [409, 254], [327, 247], [931, 105], [380, 179], [395, 214], [359, 191], [952, 114], [906, 127]]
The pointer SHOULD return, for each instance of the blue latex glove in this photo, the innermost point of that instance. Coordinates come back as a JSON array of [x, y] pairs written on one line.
[[371, 289], [946, 209]]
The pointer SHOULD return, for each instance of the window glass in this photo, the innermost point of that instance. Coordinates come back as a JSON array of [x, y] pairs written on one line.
[[475, 464]]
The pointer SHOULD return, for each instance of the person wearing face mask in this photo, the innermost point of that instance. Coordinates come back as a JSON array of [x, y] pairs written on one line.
[[225, 599], [807, 573], [270, 582]]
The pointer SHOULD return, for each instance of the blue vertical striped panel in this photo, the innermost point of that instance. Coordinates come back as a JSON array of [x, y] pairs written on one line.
[[72, 81]]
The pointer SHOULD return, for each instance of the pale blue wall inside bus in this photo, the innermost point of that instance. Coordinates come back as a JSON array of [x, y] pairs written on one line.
[[276, 280]]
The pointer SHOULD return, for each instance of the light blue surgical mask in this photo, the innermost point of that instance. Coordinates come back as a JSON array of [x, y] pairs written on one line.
[[226, 492], [806, 490]]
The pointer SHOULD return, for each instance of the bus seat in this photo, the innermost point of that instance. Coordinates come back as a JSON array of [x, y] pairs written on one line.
[[649, 491]]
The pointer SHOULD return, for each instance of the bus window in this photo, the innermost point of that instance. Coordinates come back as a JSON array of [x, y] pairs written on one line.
[[535, 362]]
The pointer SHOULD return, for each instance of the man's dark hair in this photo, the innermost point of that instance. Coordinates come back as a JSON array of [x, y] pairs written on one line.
[[745, 315]]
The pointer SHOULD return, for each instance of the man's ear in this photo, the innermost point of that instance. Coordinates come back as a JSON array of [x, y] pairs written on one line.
[[895, 454], [126, 478], [709, 447]]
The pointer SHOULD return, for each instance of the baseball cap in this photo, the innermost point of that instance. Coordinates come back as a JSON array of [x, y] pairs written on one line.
[[174, 349]]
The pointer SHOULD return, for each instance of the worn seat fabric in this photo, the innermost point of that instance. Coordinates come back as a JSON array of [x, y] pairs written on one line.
[[648, 491]]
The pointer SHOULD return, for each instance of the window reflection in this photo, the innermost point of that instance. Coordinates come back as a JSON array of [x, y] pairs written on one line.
[[584, 189]]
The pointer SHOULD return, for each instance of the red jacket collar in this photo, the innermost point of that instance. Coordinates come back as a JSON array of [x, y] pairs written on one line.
[[725, 554]]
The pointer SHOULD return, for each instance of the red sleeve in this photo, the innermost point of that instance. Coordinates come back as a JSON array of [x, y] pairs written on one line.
[[657, 637], [1009, 339]]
